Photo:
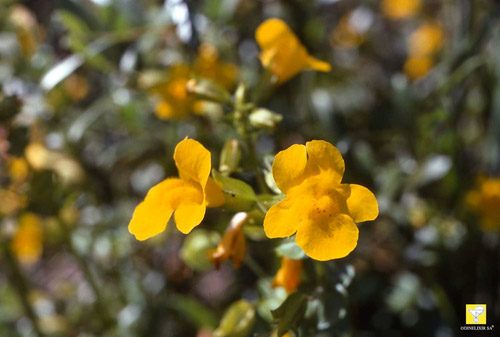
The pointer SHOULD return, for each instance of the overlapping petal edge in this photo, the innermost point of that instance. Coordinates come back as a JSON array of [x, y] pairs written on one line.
[[318, 208], [187, 196]]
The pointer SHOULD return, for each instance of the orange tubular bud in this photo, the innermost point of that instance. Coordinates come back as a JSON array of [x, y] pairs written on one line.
[[288, 276], [233, 244]]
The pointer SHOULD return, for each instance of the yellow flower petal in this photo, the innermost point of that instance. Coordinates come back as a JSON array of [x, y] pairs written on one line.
[[193, 161], [189, 215], [416, 67], [318, 65], [332, 238], [282, 53], [289, 166], [426, 40], [27, 242], [213, 194], [361, 203], [400, 9], [272, 31], [282, 219], [164, 110], [323, 156], [151, 216]]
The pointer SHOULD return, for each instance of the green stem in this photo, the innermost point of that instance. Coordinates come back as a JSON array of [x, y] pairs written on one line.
[[261, 182], [254, 266]]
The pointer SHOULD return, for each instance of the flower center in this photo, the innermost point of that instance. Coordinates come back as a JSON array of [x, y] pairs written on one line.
[[325, 209]]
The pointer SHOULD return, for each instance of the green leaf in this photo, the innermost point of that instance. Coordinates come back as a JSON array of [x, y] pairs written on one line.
[[290, 313], [291, 250], [237, 320], [239, 195], [75, 25]]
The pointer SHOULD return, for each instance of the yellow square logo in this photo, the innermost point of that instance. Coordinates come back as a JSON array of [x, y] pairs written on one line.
[[475, 314]]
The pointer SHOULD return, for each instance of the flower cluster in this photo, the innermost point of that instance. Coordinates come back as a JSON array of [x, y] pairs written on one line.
[[317, 207]]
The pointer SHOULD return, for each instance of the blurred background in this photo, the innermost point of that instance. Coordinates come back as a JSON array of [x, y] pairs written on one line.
[[93, 103]]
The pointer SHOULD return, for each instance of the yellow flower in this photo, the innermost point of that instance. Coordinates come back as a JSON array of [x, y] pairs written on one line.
[[208, 65], [426, 39], [485, 200], [27, 242], [418, 66], [282, 53], [400, 9], [175, 101], [18, 170], [233, 244], [187, 196], [288, 276], [12, 201], [317, 207]]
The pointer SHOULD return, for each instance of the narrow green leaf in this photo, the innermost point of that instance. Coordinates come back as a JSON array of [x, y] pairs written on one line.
[[290, 313]]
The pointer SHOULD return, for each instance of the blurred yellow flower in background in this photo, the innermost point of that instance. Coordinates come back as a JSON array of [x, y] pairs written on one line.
[[400, 9], [13, 197], [233, 244], [175, 101], [209, 65], [282, 53], [187, 196], [288, 276], [317, 207], [485, 201], [27, 30], [27, 242], [423, 44], [427, 39], [42, 158], [418, 66], [18, 170]]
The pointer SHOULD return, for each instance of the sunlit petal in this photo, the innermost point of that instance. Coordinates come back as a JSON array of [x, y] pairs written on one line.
[[330, 239], [189, 215], [151, 216], [193, 161], [282, 220], [289, 166], [323, 156], [361, 203]]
